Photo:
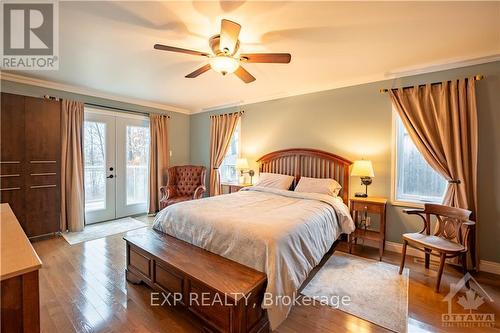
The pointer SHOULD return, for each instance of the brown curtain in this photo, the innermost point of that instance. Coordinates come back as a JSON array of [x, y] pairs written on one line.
[[72, 190], [222, 129], [158, 159], [441, 119]]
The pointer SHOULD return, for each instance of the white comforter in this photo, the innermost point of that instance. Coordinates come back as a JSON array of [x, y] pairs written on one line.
[[281, 233]]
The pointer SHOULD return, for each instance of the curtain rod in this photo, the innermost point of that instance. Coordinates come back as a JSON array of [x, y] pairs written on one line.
[[106, 107], [222, 114], [121, 109], [478, 77]]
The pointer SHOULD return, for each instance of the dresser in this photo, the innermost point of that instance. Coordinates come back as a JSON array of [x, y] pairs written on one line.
[[30, 161], [20, 300]]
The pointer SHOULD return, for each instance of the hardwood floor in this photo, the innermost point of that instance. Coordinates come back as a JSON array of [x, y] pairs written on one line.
[[83, 289]]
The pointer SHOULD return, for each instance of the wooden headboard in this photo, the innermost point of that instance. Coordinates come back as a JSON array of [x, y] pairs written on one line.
[[311, 163]]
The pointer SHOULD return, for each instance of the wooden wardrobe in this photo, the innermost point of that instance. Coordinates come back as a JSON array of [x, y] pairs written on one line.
[[30, 162]]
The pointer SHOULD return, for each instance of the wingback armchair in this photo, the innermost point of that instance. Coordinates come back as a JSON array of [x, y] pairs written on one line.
[[184, 182]]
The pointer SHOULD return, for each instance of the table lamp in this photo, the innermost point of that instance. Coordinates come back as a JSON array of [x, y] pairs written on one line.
[[363, 169], [242, 164]]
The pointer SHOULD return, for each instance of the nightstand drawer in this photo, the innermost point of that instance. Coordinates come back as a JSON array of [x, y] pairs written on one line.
[[233, 187], [368, 207]]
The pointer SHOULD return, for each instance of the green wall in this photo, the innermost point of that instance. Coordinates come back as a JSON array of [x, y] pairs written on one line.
[[179, 123], [356, 122]]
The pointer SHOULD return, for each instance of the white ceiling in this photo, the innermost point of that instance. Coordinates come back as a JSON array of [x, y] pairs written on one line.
[[108, 46]]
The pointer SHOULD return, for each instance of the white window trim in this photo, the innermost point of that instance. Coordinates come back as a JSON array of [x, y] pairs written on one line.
[[394, 173]]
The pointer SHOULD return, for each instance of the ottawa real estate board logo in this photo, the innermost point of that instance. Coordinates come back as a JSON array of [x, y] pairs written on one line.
[[466, 309], [30, 35]]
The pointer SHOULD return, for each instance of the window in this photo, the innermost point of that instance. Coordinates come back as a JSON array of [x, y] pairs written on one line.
[[415, 180], [227, 170]]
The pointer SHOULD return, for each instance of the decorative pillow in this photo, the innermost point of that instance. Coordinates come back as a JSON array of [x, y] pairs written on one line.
[[318, 185], [275, 180]]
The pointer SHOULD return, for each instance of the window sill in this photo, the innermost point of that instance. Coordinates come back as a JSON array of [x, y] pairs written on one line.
[[407, 204]]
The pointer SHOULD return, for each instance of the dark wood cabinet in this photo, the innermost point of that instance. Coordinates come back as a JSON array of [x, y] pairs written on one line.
[[30, 161], [12, 153]]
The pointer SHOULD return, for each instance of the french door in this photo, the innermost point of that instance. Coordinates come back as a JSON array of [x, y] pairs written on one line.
[[116, 157]]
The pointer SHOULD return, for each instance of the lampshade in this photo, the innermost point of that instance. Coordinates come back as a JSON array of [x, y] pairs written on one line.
[[362, 168], [241, 163], [224, 64]]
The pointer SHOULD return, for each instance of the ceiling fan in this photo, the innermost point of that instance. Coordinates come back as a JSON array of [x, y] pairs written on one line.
[[224, 58]]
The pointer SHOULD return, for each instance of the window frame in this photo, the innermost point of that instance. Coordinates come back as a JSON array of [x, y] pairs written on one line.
[[394, 174], [238, 155]]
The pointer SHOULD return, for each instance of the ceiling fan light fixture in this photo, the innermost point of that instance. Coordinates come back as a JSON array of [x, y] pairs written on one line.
[[224, 64], [225, 57]]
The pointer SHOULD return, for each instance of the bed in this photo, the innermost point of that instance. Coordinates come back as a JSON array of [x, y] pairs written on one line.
[[283, 234]]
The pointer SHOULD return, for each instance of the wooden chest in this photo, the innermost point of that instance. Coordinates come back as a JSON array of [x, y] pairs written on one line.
[[225, 295]]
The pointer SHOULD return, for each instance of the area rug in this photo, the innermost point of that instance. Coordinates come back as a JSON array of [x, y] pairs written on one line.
[[376, 291], [103, 229]]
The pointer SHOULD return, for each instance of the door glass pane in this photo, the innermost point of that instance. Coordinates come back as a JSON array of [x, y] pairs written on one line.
[[94, 150], [137, 154]]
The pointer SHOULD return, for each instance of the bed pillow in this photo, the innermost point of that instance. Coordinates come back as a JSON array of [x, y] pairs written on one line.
[[275, 180], [318, 185]]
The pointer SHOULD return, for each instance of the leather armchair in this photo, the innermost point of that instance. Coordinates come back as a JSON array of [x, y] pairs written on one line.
[[184, 183]]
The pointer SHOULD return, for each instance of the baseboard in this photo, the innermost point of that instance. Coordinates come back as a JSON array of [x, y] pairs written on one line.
[[395, 247], [484, 265], [490, 266], [398, 247]]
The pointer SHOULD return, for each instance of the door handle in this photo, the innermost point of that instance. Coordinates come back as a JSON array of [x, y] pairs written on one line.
[[110, 176]]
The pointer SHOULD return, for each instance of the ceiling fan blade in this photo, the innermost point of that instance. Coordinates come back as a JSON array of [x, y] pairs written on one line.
[[279, 58], [178, 49], [244, 75], [229, 34], [199, 71]]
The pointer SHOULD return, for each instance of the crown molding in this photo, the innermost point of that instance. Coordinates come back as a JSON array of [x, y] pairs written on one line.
[[398, 73], [89, 92], [221, 106], [395, 74], [442, 66]]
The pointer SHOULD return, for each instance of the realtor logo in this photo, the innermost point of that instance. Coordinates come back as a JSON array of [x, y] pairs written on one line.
[[468, 314], [30, 35]]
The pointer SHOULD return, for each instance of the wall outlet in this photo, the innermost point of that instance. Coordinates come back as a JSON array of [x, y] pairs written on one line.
[[170, 153]]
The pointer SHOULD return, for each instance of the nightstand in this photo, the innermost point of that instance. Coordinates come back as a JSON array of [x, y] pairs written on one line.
[[360, 207], [234, 187]]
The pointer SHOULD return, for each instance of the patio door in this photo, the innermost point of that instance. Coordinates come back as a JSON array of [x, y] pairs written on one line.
[[116, 156]]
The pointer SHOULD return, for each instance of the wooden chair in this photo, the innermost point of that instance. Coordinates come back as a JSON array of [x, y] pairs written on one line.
[[450, 240]]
